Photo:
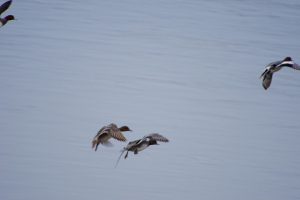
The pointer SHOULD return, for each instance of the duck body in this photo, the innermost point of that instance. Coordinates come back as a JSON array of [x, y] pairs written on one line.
[[3, 8], [275, 67], [140, 145], [107, 132], [3, 21], [137, 146]]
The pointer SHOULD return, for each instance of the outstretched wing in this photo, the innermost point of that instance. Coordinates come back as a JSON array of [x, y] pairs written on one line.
[[114, 132], [154, 136], [296, 66], [290, 64], [267, 80], [158, 137], [5, 6]]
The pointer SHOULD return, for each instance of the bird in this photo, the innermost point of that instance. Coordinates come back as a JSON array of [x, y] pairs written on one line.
[[3, 8], [274, 67], [107, 132], [140, 145]]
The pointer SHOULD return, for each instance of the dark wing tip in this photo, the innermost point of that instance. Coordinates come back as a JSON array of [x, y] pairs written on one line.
[[265, 87], [5, 6]]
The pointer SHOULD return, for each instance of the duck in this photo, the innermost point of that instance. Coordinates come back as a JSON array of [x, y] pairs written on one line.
[[274, 67], [107, 132], [3, 8], [141, 144]]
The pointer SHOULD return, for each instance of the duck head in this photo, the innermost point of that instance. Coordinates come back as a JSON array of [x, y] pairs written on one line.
[[9, 17], [287, 59], [124, 128]]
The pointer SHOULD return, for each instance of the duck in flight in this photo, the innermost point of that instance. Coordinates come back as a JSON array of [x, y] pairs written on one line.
[[3, 8], [140, 145], [274, 67], [107, 132]]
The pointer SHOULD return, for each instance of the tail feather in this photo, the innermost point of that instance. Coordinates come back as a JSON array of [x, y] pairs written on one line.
[[119, 159], [94, 143]]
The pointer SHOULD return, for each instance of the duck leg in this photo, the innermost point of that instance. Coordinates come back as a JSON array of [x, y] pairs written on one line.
[[136, 151], [126, 155]]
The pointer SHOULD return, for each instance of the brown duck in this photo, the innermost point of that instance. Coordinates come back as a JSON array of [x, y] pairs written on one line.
[[107, 132]]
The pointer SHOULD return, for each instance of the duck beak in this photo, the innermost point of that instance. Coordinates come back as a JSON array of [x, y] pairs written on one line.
[[264, 73], [130, 130]]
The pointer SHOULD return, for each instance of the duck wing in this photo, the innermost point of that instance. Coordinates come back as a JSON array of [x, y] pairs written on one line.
[[96, 138], [100, 131], [269, 66], [107, 143], [266, 70], [154, 136], [158, 137], [289, 64], [296, 66], [114, 132], [267, 80], [5, 6]]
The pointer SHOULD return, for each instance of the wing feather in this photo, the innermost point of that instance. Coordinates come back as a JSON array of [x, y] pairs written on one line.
[[107, 143], [158, 137], [114, 132], [296, 66], [154, 136], [96, 138], [100, 131], [4, 6], [289, 64], [267, 80]]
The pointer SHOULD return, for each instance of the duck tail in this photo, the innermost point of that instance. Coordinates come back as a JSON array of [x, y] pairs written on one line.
[[93, 144], [119, 159]]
